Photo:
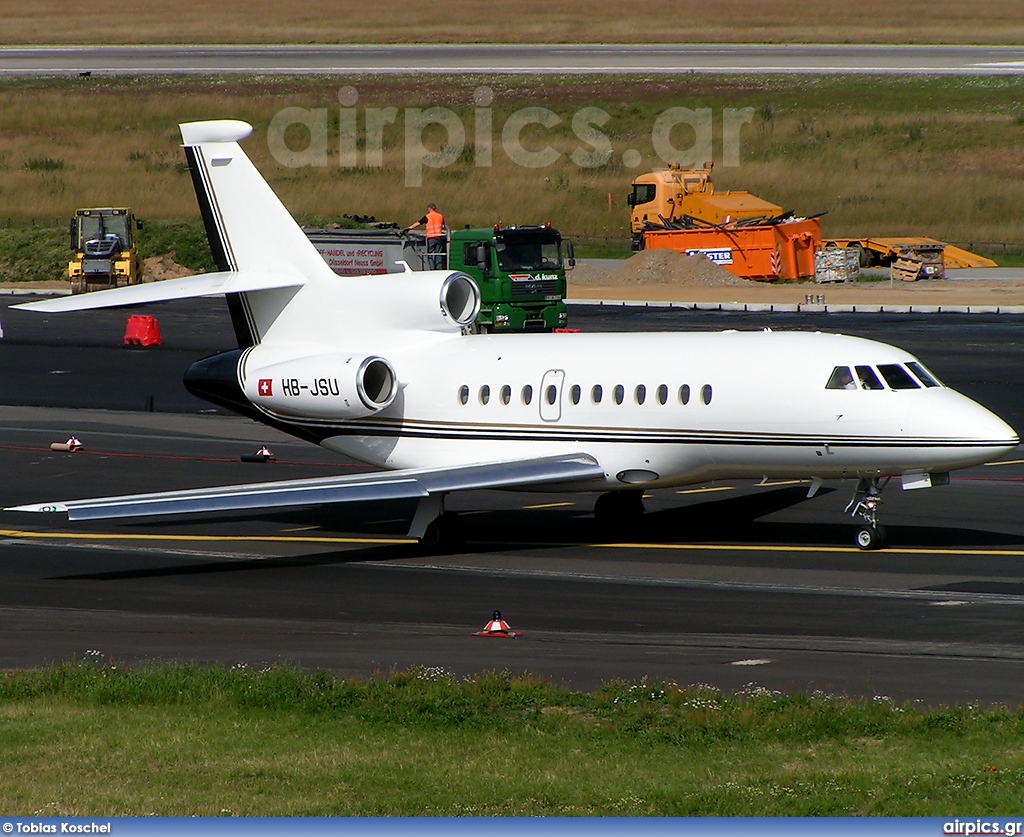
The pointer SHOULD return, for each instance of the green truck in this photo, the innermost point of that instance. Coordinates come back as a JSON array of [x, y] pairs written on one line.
[[520, 270]]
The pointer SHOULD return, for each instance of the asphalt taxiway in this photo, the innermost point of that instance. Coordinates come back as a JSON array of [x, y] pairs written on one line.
[[532, 59], [725, 584]]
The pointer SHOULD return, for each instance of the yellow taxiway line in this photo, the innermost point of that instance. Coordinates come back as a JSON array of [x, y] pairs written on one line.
[[99, 536], [309, 539], [906, 550]]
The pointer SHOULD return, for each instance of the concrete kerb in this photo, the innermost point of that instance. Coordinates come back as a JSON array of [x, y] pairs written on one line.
[[32, 292], [806, 308]]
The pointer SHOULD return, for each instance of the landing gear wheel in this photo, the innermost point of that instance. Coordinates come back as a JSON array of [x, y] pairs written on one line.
[[865, 502], [444, 534], [617, 509], [870, 537]]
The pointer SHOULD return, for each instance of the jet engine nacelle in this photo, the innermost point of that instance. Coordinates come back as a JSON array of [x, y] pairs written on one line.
[[429, 300], [335, 386]]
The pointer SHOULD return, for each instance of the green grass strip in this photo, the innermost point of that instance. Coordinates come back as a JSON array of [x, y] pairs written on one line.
[[98, 738]]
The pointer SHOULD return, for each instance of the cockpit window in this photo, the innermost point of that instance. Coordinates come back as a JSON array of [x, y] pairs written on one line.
[[867, 377], [897, 377], [841, 379], [923, 375]]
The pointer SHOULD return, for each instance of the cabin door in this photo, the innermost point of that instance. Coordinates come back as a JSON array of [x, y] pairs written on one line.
[[551, 395]]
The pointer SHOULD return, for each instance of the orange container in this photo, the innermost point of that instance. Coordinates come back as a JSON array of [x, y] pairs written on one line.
[[766, 252]]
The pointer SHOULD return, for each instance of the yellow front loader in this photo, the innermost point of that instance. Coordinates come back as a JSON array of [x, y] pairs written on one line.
[[103, 241]]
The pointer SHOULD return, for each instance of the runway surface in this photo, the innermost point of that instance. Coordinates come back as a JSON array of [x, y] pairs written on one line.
[[726, 584], [628, 59]]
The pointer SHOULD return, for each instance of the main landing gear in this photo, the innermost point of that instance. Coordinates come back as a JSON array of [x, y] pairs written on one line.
[[436, 529], [617, 509], [865, 502], [444, 534]]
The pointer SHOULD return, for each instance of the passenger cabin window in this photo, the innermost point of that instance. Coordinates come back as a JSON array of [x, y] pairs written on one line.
[[705, 393], [485, 394], [897, 377], [640, 394], [596, 394], [684, 394], [923, 375], [527, 395], [574, 393], [663, 394], [464, 394], [506, 394], [551, 394], [619, 393], [841, 379], [867, 377]]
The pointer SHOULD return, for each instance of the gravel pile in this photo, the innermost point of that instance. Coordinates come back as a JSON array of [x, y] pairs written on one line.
[[659, 267], [159, 268]]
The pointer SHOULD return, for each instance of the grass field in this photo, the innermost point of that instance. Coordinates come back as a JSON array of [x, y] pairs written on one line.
[[96, 738], [881, 156], [516, 21]]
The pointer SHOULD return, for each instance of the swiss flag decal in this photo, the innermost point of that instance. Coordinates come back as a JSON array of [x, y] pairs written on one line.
[[266, 386]]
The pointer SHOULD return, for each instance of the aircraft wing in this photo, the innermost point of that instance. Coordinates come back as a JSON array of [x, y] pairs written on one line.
[[203, 284], [384, 485]]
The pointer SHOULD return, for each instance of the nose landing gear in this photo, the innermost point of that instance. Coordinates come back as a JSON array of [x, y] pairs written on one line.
[[865, 502]]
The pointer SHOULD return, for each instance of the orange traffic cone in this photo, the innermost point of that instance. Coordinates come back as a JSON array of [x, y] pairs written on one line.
[[498, 627]]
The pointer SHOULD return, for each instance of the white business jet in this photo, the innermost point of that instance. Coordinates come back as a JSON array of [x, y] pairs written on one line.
[[386, 369]]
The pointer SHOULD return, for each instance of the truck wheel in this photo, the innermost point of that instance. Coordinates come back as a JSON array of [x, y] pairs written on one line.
[[862, 255]]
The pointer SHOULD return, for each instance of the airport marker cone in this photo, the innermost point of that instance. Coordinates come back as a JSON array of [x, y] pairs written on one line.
[[70, 446], [498, 627], [262, 455]]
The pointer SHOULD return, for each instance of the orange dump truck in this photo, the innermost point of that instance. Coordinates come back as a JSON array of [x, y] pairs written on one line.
[[679, 209]]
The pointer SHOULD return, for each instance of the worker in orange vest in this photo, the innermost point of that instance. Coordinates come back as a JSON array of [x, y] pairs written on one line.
[[437, 231]]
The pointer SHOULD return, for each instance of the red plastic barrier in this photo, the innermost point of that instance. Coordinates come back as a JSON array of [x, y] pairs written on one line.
[[142, 330]]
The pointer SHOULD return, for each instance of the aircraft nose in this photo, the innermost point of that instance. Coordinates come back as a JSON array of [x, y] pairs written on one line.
[[970, 433], [987, 427]]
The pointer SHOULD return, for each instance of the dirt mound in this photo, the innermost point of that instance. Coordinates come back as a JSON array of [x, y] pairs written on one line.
[[661, 267], [158, 268]]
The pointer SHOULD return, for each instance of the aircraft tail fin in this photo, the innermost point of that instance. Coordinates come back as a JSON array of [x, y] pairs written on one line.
[[248, 227]]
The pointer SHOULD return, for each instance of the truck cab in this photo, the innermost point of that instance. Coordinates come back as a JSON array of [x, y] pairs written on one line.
[[520, 272], [678, 198]]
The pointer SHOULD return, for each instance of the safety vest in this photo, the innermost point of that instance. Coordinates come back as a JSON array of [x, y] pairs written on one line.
[[435, 223]]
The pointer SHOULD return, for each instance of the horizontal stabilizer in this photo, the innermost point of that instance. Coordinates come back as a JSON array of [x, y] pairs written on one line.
[[385, 485], [204, 284]]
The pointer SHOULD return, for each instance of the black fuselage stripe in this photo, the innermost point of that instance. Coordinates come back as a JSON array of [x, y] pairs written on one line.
[[631, 437]]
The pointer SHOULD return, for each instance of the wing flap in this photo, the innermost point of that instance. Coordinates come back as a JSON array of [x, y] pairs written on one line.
[[386, 485], [203, 284]]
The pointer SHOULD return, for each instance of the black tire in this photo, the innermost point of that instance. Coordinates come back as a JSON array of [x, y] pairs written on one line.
[[870, 537], [444, 534], [862, 254], [619, 508]]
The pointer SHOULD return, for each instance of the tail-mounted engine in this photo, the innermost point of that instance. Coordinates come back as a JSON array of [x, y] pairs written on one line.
[[330, 386], [427, 300]]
